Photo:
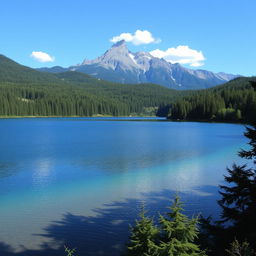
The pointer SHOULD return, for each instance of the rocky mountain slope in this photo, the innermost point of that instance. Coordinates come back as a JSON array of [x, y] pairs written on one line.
[[118, 64]]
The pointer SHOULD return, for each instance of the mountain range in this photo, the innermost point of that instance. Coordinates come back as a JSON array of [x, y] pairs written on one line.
[[27, 92], [120, 65]]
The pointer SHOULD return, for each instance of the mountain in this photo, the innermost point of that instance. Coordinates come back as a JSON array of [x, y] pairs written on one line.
[[55, 69], [28, 92], [118, 64], [11, 71]]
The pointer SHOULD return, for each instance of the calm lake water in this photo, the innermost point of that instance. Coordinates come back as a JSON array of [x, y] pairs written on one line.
[[80, 182]]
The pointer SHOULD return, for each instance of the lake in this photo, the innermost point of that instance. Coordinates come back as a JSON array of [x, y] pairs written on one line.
[[80, 182]]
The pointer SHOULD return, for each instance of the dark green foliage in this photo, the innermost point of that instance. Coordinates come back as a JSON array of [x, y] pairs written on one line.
[[234, 101], [238, 200], [178, 233], [143, 237], [251, 135], [175, 236], [238, 203], [69, 252], [202, 106], [57, 101], [229, 114], [27, 92], [253, 84], [237, 249], [11, 71]]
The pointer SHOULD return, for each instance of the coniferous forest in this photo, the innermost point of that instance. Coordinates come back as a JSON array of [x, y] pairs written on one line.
[[127, 128], [234, 101], [27, 92]]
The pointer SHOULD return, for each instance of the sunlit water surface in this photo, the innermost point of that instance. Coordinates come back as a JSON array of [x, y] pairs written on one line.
[[80, 181]]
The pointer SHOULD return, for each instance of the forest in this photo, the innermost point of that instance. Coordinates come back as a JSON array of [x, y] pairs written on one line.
[[28, 92], [234, 101]]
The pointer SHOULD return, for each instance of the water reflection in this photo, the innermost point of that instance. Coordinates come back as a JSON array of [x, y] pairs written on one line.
[[106, 230], [51, 167], [43, 172], [8, 169]]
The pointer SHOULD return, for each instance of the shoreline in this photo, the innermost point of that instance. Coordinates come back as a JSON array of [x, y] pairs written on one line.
[[94, 116], [109, 116], [209, 121]]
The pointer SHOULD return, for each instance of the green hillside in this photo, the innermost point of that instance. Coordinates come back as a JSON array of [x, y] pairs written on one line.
[[11, 71], [27, 92], [234, 101]]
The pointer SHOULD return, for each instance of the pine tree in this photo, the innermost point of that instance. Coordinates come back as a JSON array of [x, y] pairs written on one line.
[[143, 237], [251, 135], [237, 249], [178, 233], [238, 201]]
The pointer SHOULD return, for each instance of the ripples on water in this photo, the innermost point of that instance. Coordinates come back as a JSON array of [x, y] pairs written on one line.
[[78, 182]]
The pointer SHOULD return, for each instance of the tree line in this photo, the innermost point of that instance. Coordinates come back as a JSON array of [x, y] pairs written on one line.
[[81, 99], [234, 102], [234, 234], [41, 101], [28, 92]]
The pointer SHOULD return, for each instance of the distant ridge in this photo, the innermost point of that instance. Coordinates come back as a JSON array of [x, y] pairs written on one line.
[[118, 64], [11, 71], [28, 92]]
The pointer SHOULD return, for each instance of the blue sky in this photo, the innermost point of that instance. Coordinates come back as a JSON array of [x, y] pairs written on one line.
[[221, 33]]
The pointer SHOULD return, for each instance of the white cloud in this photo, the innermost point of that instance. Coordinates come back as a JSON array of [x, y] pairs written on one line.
[[181, 54], [42, 56], [139, 37]]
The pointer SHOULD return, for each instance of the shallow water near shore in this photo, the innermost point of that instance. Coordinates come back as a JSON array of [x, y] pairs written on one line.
[[79, 182]]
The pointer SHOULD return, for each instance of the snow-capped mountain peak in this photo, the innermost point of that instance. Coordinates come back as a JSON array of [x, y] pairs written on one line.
[[118, 64]]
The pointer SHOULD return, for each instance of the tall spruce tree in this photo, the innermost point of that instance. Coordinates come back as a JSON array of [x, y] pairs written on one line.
[[238, 202], [178, 233], [251, 135], [143, 237]]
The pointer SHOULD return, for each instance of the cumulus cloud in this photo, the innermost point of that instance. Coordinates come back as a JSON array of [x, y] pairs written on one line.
[[139, 37], [181, 54], [42, 56]]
